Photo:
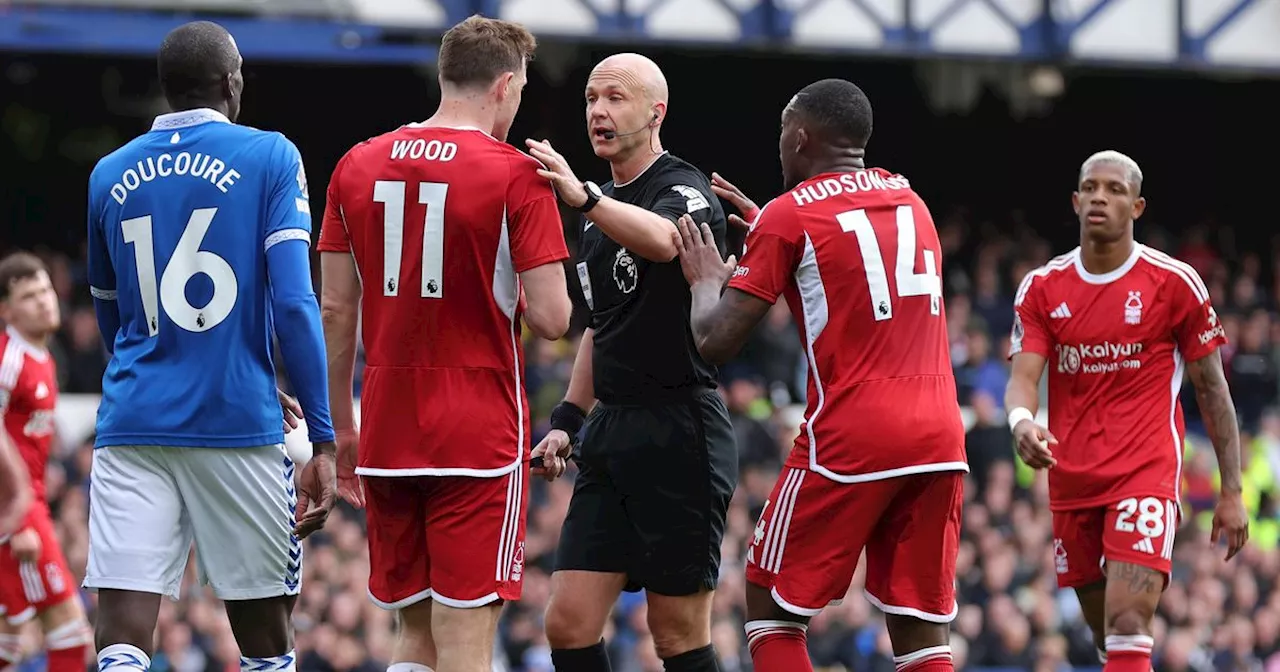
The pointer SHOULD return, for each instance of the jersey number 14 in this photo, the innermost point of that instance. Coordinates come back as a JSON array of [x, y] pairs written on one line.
[[909, 282]]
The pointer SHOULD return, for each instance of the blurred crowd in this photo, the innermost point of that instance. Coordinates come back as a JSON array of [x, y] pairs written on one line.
[[1215, 616]]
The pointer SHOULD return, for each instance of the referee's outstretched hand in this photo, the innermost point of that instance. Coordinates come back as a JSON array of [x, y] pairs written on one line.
[[730, 192], [699, 256], [554, 449]]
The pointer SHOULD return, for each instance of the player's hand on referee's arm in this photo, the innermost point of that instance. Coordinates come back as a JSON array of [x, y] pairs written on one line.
[[291, 409], [730, 192], [558, 172], [349, 487], [1032, 442], [699, 256], [317, 491]]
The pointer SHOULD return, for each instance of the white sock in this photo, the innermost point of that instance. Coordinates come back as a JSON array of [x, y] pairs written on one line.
[[123, 658], [284, 663], [408, 667]]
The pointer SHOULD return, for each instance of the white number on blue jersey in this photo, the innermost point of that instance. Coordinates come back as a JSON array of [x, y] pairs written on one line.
[[187, 261], [391, 195], [910, 283]]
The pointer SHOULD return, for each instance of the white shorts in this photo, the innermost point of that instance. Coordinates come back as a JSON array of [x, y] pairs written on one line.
[[147, 504]]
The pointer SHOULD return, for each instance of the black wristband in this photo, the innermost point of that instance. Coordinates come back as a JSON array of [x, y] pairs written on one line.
[[568, 418]]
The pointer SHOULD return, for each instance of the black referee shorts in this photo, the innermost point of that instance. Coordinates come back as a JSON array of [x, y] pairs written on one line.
[[653, 488]]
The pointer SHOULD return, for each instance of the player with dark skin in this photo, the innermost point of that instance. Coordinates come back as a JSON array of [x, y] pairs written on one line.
[[1107, 201], [199, 67], [722, 324]]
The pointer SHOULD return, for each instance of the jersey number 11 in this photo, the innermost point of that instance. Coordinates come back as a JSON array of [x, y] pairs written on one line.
[[432, 195]]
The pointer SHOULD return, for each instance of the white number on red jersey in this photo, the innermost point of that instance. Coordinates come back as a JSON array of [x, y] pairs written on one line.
[[391, 194], [1150, 512], [909, 282]]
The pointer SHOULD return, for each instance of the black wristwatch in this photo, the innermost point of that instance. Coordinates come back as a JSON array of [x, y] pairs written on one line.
[[593, 196]]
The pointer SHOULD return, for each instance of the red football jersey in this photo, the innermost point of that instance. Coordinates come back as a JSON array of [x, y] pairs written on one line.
[[1116, 347], [440, 222], [28, 397], [882, 396]]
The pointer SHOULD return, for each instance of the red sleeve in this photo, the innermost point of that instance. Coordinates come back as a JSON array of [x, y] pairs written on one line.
[[773, 249], [1196, 327], [333, 230], [533, 219], [1030, 333]]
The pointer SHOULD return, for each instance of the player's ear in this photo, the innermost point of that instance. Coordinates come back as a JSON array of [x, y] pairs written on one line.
[[1075, 201], [1139, 207], [503, 85]]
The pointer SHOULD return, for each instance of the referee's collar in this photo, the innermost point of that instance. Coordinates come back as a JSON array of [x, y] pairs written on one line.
[[642, 171], [187, 118]]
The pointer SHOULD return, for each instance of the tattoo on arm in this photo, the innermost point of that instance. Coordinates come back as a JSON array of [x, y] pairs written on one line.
[[721, 325], [1219, 414]]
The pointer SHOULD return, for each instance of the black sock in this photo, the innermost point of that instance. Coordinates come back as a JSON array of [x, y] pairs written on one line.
[[594, 658], [697, 660]]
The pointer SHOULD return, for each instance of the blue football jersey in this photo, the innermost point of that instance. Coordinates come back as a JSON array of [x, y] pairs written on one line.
[[179, 223]]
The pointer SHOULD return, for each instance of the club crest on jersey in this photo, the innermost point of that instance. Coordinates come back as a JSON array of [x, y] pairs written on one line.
[[1133, 308], [625, 272]]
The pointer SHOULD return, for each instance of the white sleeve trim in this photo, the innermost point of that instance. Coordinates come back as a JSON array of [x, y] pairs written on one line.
[[287, 234], [103, 294]]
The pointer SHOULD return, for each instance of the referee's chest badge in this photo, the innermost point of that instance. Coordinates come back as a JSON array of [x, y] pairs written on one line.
[[625, 272]]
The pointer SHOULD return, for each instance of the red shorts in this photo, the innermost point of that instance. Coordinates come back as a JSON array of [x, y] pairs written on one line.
[[455, 539], [27, 588], [1136, 530], [812, 531]]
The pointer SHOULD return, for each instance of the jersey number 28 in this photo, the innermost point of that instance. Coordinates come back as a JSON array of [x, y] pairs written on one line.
[[909, 282], [187, 261]]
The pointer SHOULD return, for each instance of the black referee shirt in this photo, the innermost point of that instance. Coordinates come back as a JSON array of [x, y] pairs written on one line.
[[644, 350]]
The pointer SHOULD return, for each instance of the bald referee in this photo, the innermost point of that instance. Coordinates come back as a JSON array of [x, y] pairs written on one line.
[[657, 459]]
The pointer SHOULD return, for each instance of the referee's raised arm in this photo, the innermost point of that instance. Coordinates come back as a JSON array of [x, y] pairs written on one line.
[[657, 460]]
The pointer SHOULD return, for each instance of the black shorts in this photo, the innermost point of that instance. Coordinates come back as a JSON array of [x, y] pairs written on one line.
[[653, 488]]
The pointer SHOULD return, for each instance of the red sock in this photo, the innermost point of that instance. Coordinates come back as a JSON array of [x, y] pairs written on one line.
[[932, 659], [68, 647], [1128, 653], [778, 646], [68, 660]]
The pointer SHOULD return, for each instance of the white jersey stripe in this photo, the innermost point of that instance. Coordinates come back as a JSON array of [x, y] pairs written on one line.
[[1186, 274], [1058, 263], [11, 365], [1185, 270]]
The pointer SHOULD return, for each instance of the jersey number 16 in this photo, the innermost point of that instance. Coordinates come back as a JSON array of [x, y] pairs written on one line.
[[185, 263], [909, 282]]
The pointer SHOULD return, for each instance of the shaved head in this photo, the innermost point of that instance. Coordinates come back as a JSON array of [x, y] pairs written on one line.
[[637, 73], [199, 66]]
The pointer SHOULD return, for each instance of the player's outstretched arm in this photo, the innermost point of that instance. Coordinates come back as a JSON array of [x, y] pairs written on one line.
[[643, 232], [1022, 398], [1218, 411], [548, 307], [720, 324]]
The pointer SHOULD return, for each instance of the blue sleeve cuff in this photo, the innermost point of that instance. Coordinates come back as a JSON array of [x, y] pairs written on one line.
[[297, 325]]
